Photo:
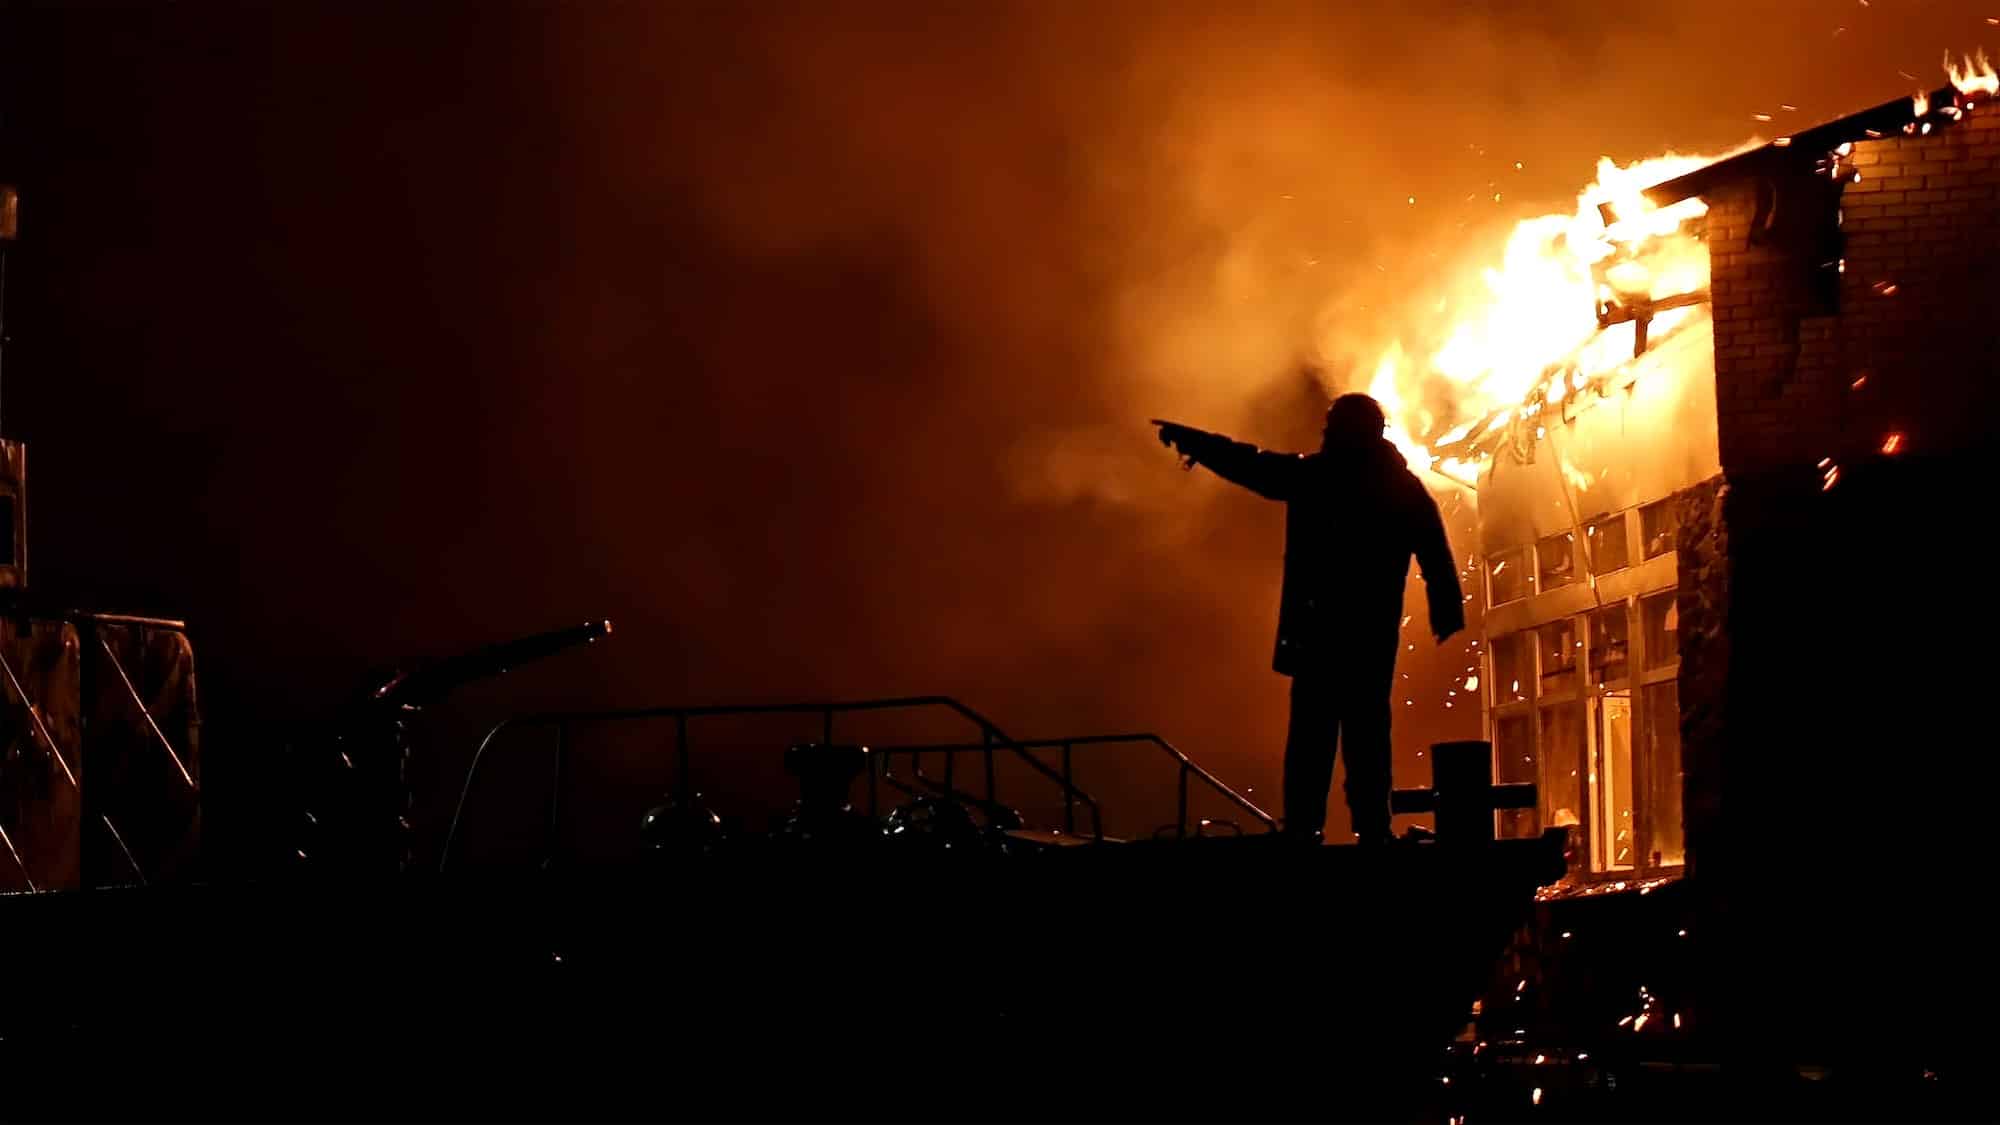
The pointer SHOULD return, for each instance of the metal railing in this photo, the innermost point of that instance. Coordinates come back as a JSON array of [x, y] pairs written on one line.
[[561, 722], [1188, 769], [992, 740]]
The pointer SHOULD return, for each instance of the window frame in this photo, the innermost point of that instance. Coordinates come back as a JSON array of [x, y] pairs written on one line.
[[1587, 695]]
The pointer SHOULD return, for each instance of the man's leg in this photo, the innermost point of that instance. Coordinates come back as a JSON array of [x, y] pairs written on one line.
[[1309, 743], [1365, 744]]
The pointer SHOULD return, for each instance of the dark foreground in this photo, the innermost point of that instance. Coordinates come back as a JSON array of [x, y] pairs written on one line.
[[1159, 981]]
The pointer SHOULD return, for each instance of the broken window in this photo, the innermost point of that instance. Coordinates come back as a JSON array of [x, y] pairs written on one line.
[[1606, 538], [1555, 561], [1610, 633], [1659, 525], [1507, 576]]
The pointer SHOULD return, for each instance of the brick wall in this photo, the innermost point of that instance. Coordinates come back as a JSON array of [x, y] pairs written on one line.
[[1915, 324]]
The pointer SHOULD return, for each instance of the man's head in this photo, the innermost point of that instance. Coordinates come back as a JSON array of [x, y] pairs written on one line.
[[1353, 420]]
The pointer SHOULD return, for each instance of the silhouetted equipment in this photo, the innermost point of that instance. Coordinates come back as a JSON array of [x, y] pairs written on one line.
[[680, 826], [430, 683], [1462, 793], [826, 777], [938, 822], [351, 787]]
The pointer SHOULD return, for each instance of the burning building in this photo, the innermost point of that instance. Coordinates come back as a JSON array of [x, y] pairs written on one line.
[[1724, 426]]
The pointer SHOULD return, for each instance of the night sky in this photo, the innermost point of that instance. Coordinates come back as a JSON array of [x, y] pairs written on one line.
[[812, 343]]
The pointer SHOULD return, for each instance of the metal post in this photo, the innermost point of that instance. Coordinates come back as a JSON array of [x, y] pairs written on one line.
[[555, 795], [874, 795], [681, 751], [1069, 795], [987, 738], [1183, 802]]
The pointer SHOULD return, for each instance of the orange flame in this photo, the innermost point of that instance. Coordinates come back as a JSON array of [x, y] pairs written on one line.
[[1974, 76], [1531, 339]]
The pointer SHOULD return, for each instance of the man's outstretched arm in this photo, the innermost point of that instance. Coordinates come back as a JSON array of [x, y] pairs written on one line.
[[1433, 551], [1268, 474]]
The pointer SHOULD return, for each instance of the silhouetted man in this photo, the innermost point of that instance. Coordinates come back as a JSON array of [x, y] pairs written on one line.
[[1354, 516]]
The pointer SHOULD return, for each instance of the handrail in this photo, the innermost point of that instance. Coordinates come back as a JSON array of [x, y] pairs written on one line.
[[1188, 767], [995, 738]]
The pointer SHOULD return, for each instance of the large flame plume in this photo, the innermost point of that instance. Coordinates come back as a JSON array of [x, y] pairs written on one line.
[[1552, 319]]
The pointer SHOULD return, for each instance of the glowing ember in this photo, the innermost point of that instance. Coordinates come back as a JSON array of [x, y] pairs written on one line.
[[1892, 444]]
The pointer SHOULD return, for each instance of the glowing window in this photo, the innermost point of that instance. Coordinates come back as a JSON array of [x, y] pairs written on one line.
[[1613, 834], [1558, 644], [1661, 745], [1555, 561], [1507, 576], [1659, 523], [1659, 617], [1513, 672], [1562, 788], [1605, 536], [1610, 644], [1514, 760]]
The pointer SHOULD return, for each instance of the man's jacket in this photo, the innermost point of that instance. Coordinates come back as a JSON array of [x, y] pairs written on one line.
[[1355, 514]]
